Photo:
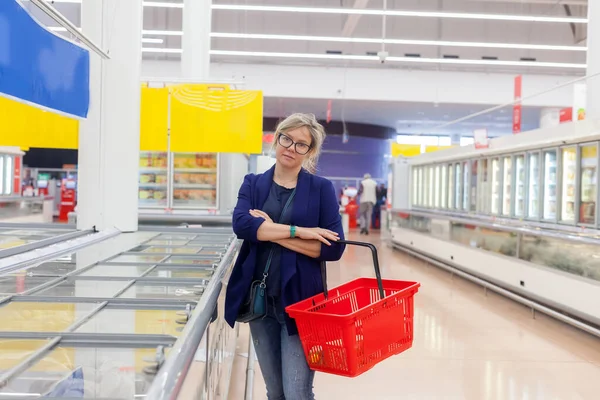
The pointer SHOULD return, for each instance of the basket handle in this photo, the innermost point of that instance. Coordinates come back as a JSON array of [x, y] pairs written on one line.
[[375, 263]]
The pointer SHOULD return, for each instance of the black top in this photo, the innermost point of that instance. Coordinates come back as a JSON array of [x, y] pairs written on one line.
[[278, 197]]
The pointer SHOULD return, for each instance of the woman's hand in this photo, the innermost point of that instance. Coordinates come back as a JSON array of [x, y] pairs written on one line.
[[320, 234], [261, 214]]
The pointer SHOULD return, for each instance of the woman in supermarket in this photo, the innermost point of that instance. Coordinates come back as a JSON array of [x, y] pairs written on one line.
[[289, 221]]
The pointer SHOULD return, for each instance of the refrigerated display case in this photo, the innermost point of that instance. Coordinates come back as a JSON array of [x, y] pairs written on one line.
[[483, 197], [444, 184], [457, 186], [420, 187], [473, 185], [496, 192], [569, 172], [415, 187], [466, 186], [533, 192], [550, 183], [451, 186], [506, 185], [437, 186], [178, 180], [520, 186], [588, 183], [194, 180], [153, 190]]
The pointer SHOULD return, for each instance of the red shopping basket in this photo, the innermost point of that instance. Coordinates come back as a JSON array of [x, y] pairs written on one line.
[[349, 329]]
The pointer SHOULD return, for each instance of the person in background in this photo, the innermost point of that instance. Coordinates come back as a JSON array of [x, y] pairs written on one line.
[[289, 220], [368, 198]]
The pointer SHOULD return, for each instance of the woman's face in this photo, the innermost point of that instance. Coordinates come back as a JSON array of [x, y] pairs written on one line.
[[291, 145]]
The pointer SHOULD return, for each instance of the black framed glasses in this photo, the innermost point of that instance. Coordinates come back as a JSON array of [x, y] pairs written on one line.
[[287, 142]]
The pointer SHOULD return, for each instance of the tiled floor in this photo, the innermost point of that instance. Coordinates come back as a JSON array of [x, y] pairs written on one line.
[[467, 345]]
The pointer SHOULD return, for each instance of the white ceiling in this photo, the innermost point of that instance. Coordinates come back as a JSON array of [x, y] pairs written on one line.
[[407, 118]]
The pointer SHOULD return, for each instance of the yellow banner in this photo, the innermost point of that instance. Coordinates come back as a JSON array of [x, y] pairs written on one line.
[[27, 126], [216, 119], [431, 149], [405, 150], [154, 119]]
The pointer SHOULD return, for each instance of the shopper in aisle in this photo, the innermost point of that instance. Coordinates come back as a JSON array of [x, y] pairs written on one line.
[[368, 198], [289, 220]]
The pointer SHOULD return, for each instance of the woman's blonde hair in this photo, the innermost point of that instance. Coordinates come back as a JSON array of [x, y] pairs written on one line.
[[317, 134]]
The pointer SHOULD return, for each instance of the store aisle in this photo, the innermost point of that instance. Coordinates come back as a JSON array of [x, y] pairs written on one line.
[[467, 345]]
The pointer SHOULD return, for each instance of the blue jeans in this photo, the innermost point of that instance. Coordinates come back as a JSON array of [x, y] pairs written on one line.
[[281, 358]]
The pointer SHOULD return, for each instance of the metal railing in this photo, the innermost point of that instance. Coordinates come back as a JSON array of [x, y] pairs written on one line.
[[171, 376]]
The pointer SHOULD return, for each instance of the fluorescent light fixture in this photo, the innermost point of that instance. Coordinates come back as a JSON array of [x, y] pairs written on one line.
[[399, 13], [398, 41], [413, 60], [161, 50], [160, 4], [152, 40], [162, 33]]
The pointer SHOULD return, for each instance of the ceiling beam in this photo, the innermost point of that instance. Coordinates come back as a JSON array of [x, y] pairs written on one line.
[[353, 19]]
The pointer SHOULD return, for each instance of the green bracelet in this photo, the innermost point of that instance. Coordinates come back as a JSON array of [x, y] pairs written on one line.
[[292, 231]]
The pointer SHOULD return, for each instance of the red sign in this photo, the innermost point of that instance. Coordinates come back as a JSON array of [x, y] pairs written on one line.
[[17, 176], [329, 111], [566, 115], [268, 138], [517, 108]]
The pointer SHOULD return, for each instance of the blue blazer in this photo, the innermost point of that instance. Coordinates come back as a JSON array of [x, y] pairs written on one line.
[[315, 205]]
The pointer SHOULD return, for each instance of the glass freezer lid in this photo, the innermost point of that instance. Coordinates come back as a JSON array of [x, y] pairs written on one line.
[[116, 270], [84, 288], [51, 268], [136, 258], [167, 242], [133, 321], [181, 273], [178, 236], [13, 351], [88, 373], [143, 290], [42, 317], [173, 250], [190, 261], [16, 284]]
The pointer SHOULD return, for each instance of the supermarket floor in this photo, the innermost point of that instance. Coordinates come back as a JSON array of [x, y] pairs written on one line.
[[467, 345]]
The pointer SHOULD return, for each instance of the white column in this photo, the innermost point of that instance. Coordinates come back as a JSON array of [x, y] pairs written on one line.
[[593, 61], [195, 59], [109, 139]]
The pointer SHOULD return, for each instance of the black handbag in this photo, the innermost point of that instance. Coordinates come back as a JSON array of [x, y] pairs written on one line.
[[255, 303]]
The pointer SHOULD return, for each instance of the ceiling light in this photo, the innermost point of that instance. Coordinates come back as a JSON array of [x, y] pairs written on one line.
[[152, 40], [398, 59], [161, 50], [397, 41], [399, 13]]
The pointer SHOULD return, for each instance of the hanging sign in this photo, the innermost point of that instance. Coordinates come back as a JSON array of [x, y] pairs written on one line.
[[480, 139], [329, 111], [517, 108], [39, 67]]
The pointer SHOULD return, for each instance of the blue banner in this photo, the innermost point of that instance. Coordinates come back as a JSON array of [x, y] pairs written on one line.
[[72, 386], [39, 67]]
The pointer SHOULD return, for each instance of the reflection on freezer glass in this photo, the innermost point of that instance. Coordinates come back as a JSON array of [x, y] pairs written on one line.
[[550, 182], [450, 186], [569, 171], [457, 187], [189, 260], [194, 180], [15, 284], [473, 185], [436, 186], [153, 179], [507, 184], [84, 288], [420, 187], [534, 186], [13, 351], [589, 178], [181, 273], [137, 258], [173, 250], [520, 186], [415, 187], [147, 291], [42, 317], [90, 373], [496, 192], [444, 184], [116, 270], [141, 322]]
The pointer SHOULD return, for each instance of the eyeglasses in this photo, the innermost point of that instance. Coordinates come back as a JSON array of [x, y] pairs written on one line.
[[287, 142]]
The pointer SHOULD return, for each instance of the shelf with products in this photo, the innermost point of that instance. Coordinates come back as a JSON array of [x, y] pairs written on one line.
[[507, 185], [520, 186], [153, 189], [569, 182], [496, 193], [588, 180], [533, 193], [550, 184]]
